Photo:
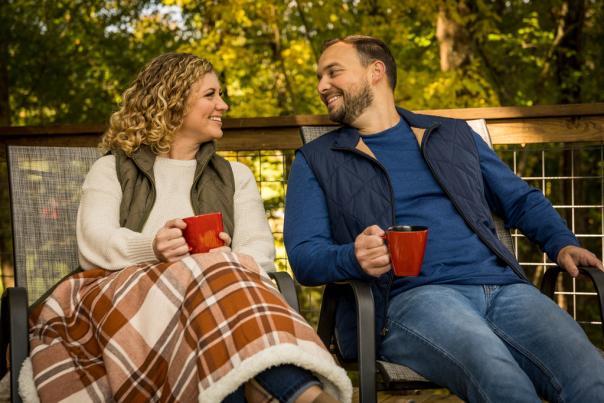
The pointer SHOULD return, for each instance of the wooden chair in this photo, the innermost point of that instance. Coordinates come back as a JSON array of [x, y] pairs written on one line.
[[375, 374], [45, 184]]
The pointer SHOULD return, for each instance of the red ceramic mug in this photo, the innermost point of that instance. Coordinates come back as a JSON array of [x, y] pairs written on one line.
[[202, 232], [406, 246]]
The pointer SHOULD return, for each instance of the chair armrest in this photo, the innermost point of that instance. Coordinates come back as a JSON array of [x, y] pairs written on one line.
[[14, 331], [548, 284], [365, 331], [287, 287]]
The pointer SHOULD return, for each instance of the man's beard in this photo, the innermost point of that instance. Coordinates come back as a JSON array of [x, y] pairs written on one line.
[[353, 105]]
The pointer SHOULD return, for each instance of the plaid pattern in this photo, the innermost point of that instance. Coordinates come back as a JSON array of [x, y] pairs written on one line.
[[188, 331]]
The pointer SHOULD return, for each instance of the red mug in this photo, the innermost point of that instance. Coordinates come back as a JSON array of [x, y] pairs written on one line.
[[406, 246], [202, 232]]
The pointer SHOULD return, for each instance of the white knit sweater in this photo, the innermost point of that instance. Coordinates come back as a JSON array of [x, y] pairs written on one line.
[[103, 243]]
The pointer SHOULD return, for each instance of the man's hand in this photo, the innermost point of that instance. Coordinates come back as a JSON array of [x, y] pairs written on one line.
[[371, 251], [572, 256], [169, 244], [227, 243]]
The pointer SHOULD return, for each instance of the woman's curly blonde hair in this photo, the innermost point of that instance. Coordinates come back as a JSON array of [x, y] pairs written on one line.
[[154, 105]]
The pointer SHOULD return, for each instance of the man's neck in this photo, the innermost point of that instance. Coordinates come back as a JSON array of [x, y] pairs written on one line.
[[377, 118]]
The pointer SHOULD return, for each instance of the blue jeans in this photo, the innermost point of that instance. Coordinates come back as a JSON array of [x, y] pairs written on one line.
[[505, 343], [284, 382]]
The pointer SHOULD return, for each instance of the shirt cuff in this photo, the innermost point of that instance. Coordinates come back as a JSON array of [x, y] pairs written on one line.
[[356, 271]]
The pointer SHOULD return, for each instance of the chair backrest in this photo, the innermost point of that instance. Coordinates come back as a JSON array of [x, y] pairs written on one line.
[[310, 133], [45, 185]]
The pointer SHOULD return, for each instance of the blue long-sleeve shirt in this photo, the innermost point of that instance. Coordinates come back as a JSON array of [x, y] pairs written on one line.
[[454, 254]]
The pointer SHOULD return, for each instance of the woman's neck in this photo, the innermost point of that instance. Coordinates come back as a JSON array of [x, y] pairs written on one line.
[[180, 150]]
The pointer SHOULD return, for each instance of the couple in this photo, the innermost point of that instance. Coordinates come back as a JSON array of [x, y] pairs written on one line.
[[464, 323]]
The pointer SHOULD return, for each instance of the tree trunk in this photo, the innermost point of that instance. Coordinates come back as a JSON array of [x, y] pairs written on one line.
[[285, 92], [5, 111], [565, 58], [569, 56], [453, 39]]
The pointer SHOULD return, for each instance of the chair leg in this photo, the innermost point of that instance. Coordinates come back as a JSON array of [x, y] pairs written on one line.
[[366, 341], [548, 283], [14, 312], [327, 316]]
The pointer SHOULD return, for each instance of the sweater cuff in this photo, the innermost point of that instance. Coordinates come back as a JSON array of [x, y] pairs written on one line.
[[140, 249], [356, 269]]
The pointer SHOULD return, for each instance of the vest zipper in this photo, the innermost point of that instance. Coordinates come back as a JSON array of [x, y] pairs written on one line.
[[459, 210]]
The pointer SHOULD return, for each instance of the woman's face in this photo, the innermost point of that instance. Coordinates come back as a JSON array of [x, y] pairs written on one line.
[[203, 121]]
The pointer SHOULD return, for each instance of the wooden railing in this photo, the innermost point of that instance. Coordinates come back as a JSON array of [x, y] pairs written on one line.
[[513, 126], [507, 125]]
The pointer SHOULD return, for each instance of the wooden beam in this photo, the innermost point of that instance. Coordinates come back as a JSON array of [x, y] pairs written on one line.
[[547, 130], [508, 125]]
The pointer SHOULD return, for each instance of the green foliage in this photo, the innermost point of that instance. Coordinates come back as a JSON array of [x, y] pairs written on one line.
[[69, 61]]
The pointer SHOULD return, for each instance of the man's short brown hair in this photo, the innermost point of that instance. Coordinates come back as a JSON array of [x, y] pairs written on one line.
[[369, 50]]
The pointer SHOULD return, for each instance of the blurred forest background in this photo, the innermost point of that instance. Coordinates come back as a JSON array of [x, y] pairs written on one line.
[[68, 62]]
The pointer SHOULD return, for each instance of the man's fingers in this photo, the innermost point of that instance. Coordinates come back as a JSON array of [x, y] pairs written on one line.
[[373, 230], [370, 242], [378, 271], [567, 262], [591, 260]]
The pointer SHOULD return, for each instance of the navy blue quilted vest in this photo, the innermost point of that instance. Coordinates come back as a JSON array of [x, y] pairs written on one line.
[[359, 194]]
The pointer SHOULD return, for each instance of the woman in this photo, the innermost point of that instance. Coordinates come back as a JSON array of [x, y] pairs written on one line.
[[148, 321]]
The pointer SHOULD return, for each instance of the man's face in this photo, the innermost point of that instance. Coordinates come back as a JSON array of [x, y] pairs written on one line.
[[343, 84]]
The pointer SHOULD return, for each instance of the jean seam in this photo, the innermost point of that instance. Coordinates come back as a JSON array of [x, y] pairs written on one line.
[[289, 391], [445, 355], [530, 356]]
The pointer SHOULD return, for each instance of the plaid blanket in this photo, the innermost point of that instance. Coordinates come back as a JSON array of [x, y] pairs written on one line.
[[188, 331]]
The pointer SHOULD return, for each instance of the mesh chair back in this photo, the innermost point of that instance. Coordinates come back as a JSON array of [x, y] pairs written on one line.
[[45, 193], [310, 133]]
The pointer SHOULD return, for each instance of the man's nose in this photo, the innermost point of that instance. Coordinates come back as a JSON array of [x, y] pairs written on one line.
[[323, 85]]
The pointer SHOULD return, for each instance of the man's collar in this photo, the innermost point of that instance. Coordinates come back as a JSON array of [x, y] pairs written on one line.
[[349, 136]]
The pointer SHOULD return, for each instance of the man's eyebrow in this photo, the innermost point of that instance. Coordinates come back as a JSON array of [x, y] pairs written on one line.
[[334, 64]]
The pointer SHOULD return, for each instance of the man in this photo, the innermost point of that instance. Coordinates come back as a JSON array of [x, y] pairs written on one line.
[[471, 321]]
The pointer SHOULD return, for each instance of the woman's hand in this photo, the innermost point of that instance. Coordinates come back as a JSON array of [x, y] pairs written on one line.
[[169, 244], [227, 243]]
